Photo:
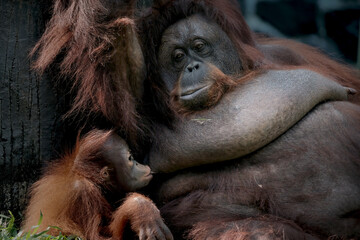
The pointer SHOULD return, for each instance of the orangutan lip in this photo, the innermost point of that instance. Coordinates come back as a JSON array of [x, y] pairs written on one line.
[[192, 92], [149, 176]]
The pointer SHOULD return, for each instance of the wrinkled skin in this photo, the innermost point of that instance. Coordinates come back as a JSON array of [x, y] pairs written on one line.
[[254, 114], [188, 62], [129, 174], [313, 179], [278, 150]]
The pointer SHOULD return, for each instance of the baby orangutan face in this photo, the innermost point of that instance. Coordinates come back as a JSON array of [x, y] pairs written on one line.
[[129, 174]]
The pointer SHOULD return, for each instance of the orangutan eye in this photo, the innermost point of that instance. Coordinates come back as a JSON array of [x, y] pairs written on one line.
[[178, 55], [199, 45]]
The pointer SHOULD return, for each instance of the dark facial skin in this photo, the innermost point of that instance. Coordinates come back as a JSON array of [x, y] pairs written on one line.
[[188, 49], [129, 174]]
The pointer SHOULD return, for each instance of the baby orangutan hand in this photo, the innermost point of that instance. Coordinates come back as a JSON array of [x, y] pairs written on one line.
[[144, 218]]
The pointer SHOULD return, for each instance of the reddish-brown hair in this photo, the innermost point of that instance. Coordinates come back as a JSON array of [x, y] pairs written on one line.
[[96, 43], [227, 14], [70, 195], [76, 194]]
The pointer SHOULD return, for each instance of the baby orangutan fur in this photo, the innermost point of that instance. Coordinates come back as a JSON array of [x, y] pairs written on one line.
[[72, 194]]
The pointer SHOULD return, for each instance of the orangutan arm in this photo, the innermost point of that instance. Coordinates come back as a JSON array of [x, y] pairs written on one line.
[[245, 120]]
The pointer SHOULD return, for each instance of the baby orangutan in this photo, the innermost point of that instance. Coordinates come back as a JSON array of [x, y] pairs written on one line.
[[73, 194]]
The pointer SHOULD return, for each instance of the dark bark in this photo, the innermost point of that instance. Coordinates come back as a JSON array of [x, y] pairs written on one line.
[[27, 103]]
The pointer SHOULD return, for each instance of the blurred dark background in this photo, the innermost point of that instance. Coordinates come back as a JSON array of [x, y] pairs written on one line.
[[31, 128], [331, 25]]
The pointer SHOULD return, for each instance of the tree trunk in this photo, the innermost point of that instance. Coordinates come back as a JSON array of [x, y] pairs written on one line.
[[27, 103]]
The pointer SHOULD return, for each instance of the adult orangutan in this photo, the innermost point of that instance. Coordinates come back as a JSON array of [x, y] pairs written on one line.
[[97, 48], [303, 185]]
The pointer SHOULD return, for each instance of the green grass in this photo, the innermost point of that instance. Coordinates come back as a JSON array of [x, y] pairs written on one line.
[[8, 230]]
